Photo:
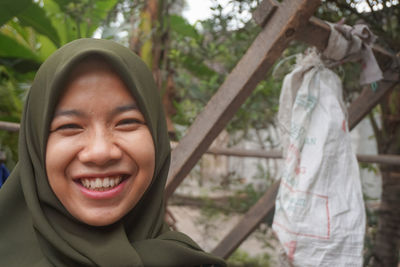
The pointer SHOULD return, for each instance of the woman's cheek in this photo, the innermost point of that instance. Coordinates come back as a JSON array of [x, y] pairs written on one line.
[[61, 150]]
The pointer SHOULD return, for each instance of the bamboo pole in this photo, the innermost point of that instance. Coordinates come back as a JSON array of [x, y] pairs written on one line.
[[274, 154], [9, 126]]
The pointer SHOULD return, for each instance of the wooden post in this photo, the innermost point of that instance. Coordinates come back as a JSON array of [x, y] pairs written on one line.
[[287, 19]]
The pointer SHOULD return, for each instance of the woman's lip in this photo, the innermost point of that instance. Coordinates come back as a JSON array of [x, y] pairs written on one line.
[[106, 194]]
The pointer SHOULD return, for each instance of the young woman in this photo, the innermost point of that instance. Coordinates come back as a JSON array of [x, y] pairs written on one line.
[[94, 157]]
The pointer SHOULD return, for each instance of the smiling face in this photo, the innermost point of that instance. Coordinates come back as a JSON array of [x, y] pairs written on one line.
[[100, 155]]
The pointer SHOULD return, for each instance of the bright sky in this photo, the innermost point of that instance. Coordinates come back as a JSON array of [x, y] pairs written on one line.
[[200, 9], [197, 10]]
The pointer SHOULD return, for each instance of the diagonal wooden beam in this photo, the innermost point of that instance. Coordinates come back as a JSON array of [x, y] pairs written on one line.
[[281, 28], [253, 217], [317, 31], [265, 11], [370, 97]]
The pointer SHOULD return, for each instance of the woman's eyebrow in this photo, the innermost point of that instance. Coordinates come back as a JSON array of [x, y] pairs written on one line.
[[69, 113], [128, 107]]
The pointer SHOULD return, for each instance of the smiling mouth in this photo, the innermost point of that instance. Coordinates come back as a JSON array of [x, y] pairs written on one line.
[[101, 184]]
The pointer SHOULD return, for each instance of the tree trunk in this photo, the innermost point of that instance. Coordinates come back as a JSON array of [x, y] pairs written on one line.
[[169, 94], [151, 43], [387, 240], [387, 237]]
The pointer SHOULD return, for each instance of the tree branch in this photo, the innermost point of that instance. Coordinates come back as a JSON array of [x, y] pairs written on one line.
[[375, 128]]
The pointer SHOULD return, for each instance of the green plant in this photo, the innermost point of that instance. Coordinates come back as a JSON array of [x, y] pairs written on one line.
[[242, 259]]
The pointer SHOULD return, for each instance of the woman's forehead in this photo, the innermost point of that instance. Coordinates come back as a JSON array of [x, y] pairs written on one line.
[[88, 71], [91, 64], [94, 83]]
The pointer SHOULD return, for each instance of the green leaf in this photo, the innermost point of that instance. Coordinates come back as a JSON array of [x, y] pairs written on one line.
[[76, 19], [35, 17], [11, 8], [197, 67], [46, 48], [85, 14], [59, 20], [98, 14], [182, 27], [63, 4], [14, 29], [22, 66], [10, 48]]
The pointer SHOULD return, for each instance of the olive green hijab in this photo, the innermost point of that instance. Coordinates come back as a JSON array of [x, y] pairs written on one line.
[[36, 229]]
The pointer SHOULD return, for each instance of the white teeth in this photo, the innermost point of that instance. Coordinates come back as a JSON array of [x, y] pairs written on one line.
[[98, 183], [101, 184], [92, 184], [106, 182]]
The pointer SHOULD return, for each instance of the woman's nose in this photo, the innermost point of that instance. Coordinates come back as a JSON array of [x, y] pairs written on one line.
[[100, 148]]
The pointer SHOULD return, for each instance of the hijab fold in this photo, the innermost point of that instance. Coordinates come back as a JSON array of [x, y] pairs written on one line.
[[36, 229]]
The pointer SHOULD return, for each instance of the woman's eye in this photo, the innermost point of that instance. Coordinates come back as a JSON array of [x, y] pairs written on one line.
[[68, 126], [129, 122]]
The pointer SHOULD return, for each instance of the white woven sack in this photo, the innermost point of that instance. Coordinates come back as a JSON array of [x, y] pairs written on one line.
[[319, 216]]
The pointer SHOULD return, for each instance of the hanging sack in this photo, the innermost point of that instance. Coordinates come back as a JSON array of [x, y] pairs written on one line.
[[319, 213]]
